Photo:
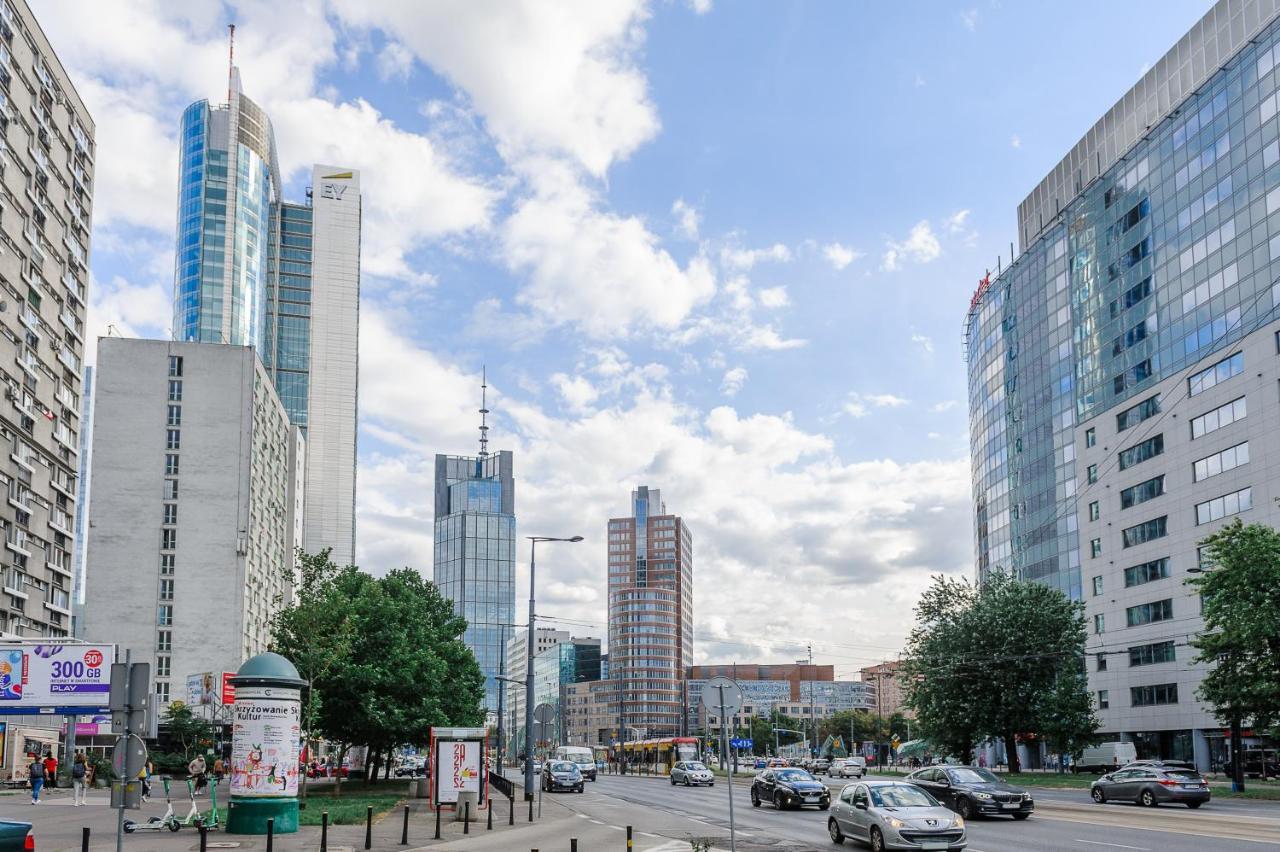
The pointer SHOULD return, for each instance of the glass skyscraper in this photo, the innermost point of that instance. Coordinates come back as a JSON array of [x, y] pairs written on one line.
[[1122, 366], [475, 551]]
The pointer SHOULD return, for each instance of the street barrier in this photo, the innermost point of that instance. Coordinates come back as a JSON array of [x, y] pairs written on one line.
[[84, 839], [368, 827], [629, 841], [204, 838], [437, 823], [466, 818], [271, 833], [324, 831], [404, 832]]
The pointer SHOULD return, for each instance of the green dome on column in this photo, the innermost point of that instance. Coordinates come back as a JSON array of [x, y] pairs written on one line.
[[268, 667]]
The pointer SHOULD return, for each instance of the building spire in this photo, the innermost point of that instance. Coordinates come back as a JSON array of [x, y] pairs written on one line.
[[484, 413], [231, 58]]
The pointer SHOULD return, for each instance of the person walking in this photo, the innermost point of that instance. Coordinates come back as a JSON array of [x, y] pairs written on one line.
[[80, 780], [35, 773], [51, 771], [197, 769], [145, 777]]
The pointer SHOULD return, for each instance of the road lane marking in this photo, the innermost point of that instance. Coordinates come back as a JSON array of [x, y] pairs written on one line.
[[1115, 845]]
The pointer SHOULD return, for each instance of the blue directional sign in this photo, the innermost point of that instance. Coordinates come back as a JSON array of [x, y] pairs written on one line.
[[742, 743]]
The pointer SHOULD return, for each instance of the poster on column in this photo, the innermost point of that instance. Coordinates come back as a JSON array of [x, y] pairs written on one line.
[[265, 732], [458, 762]]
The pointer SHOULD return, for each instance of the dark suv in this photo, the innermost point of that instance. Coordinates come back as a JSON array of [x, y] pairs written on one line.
[[972, 792]]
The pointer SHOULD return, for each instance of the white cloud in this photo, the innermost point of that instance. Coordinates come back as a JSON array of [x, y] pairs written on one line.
[[840, 256], [969, 19], [577, 392], [956, 222], [920, 246], [733, 381], [774, 297], [859, 405], [919, 81], [1015, 141], [700, 7], [738, 259], [922, 341], [395, 61], [687, 219], [945, 405], [126, 309]]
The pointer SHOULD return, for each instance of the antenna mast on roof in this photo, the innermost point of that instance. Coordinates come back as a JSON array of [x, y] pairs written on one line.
[[484, 414], [231, 58]]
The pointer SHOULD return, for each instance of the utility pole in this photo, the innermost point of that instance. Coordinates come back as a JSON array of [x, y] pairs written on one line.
[[813, 718]]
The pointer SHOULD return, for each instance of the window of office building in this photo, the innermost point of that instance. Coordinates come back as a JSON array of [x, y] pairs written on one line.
[[175, 366], [1091, 474], [1149, 655], [1095, 548], [1223, 415], [170, 513], [165, 616], [173, 439], [175, 415], [163, 666], [1224, 506], [168, 538], [1097, 585], [1090, 437], [1145, 696], [1142, 492], [1148, 613], [1140, 452], [1094, 511], [162, 691], [1104, 699], [1218, 373], [1099, 623], [1147, 572], [164, 640], [1228, 459], [1146, 531], [175, 390], [1131, 417], [1101, 660], [170, 465]]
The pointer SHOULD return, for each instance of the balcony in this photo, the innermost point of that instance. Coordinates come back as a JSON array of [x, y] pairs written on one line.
[[19, 542], [28, 361], [72, 324], [15, 583], [20, 498], [64, 570], [69, 360], [60, 521], [63, 434], [73, 287], [30, 318]]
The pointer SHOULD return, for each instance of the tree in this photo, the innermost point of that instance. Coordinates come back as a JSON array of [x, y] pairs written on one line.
[[187, 730], [1241, 635], [1001, 661]]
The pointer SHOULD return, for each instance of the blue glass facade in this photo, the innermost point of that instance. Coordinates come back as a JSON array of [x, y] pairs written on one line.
[[475, 552], [286, 351], [1154, 268]]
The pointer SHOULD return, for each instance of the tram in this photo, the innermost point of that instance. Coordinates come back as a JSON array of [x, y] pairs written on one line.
[[657, 756]]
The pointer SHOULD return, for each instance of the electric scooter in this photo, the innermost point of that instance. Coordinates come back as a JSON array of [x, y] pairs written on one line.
[[156, 823], [193, 816], [213, 817]]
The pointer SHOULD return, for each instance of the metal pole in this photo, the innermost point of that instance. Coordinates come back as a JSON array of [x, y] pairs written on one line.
[[466, 818], [404, 832], [368, 827], [271, 833], [502, 691], [324, 830], [124, 781], [84, 839], [724, 738], [813, 717], [528, 682], [437, 821], [1237, 757]]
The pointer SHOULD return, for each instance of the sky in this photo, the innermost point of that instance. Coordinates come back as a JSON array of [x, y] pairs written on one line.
[[722, 248]]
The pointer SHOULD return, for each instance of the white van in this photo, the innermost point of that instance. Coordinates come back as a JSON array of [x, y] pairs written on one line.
[[1104, 757], [583, 757]]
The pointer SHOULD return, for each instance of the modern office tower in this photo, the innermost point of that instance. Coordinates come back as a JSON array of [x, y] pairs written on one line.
[[1123, 369], [576, 660], [82, 506], [187, 558], [47, 135], [475, 549], [254, 270], [650, 614], [513, 700], [311, 342]]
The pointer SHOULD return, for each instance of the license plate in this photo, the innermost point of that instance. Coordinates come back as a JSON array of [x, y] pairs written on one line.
[[1011, 805], [942, 846], [811, 798], [1191, 786]]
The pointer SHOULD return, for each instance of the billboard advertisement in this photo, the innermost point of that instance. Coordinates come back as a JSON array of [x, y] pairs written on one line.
[[264, 751], [458, 765], [34, 676], [210, 689]]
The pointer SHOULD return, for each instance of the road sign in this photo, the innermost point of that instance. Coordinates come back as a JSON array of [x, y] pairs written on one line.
[[721, 696], [895, 741], [130, 698], [544, 713], [128, 757], [742, 742]]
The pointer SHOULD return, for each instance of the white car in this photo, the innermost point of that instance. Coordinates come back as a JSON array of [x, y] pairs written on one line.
[[887, 814], [849, 767], [691, 773]]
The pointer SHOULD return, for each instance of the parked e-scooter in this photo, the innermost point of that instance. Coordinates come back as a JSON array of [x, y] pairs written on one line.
[[156, 823]]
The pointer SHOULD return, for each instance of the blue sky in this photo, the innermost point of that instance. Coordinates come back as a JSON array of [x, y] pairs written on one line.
[[719, 248]]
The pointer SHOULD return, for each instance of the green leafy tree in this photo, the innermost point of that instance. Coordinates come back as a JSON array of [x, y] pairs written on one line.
[[1241, 636], [997, 662], [186, 730]]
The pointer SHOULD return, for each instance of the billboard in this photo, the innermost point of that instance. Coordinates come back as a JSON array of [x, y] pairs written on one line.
[[36, 676], [264, 747], [458, 765], [210, 689]]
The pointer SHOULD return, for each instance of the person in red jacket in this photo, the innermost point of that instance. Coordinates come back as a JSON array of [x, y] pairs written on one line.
[[50, 770]]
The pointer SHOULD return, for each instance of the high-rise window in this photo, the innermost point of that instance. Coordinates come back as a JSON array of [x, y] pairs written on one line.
[[1224, 506], [1131, 417], [1136, 616], [1147, 572], [173, 439], [175, 415], [170, 514], [1146, 531], [175, 391], [175, 366], [1221, 462], [1218, 373], [1142, 492], [1149, 655], [1141, 452], [1223, 415], [1145, 696], [171, 465]]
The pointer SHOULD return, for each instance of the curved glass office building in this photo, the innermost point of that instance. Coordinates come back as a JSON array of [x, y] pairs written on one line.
[[228, 178], [1123, 370]]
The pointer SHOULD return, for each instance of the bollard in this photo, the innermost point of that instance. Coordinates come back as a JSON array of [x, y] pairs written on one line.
[[437, 822], [204, 836], [404, 832], [628, 838], [324, 831], [466, 818], [368, 827], [271, 833], [573, 844], [511, 809], [531, 810], [489, 827], [84, 839]]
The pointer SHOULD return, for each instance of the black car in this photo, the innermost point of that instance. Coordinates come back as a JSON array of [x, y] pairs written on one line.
[[789, 787], [973, 792]]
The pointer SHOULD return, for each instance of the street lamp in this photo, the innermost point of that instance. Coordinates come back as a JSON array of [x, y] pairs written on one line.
[[528, 673]]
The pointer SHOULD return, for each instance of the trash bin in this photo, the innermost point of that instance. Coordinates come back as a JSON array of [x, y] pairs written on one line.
[[422, 788], [463, 799]]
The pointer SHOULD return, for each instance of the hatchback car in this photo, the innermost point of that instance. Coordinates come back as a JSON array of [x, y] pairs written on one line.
[[849, 767], [562, 775], [972, 792], [789, 787], [691, 773], [820, 765], [1151, 785], [890, 814]]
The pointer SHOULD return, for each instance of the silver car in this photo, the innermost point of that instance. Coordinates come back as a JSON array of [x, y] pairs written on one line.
[[849, 767], [691, 773], [891, 814]]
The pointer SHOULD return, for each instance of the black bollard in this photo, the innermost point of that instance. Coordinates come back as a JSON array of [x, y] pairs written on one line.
[[84, 839], [466, 818], [437, 822], [511, 809], [531, 810], [628, 838], [573, 844], [324, 831], [271, 833], [368, 827], [204, 836], [404, 832], [489, 827]]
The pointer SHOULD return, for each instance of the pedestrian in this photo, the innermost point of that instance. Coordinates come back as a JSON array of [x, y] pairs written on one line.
[[79, 780], [197, 769], [35, 774], [145, 777], [50, 770]]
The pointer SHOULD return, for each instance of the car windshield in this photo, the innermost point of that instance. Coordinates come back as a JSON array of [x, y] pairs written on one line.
[[969, 775], [794, 775], [901, 796], [563, 766], [694, 767]]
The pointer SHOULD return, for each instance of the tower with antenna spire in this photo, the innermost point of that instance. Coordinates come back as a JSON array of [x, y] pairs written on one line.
[[475, 546]]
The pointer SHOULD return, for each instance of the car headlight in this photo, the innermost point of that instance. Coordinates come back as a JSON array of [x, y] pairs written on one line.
[[982, 795], [958, 822], [894, 822], [1026, 797]]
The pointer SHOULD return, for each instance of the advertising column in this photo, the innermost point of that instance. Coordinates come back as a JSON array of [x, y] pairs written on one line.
[[265, 737]]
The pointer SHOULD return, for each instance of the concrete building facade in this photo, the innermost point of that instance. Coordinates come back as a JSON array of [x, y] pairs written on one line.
[[48, 140], [516, 663], [188, 559]]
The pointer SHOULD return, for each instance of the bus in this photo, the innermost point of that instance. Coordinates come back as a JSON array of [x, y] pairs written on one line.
[[583, 756], [657, 756]]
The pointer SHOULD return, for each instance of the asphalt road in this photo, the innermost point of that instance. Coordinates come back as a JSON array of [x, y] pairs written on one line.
[[1065, 820]]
